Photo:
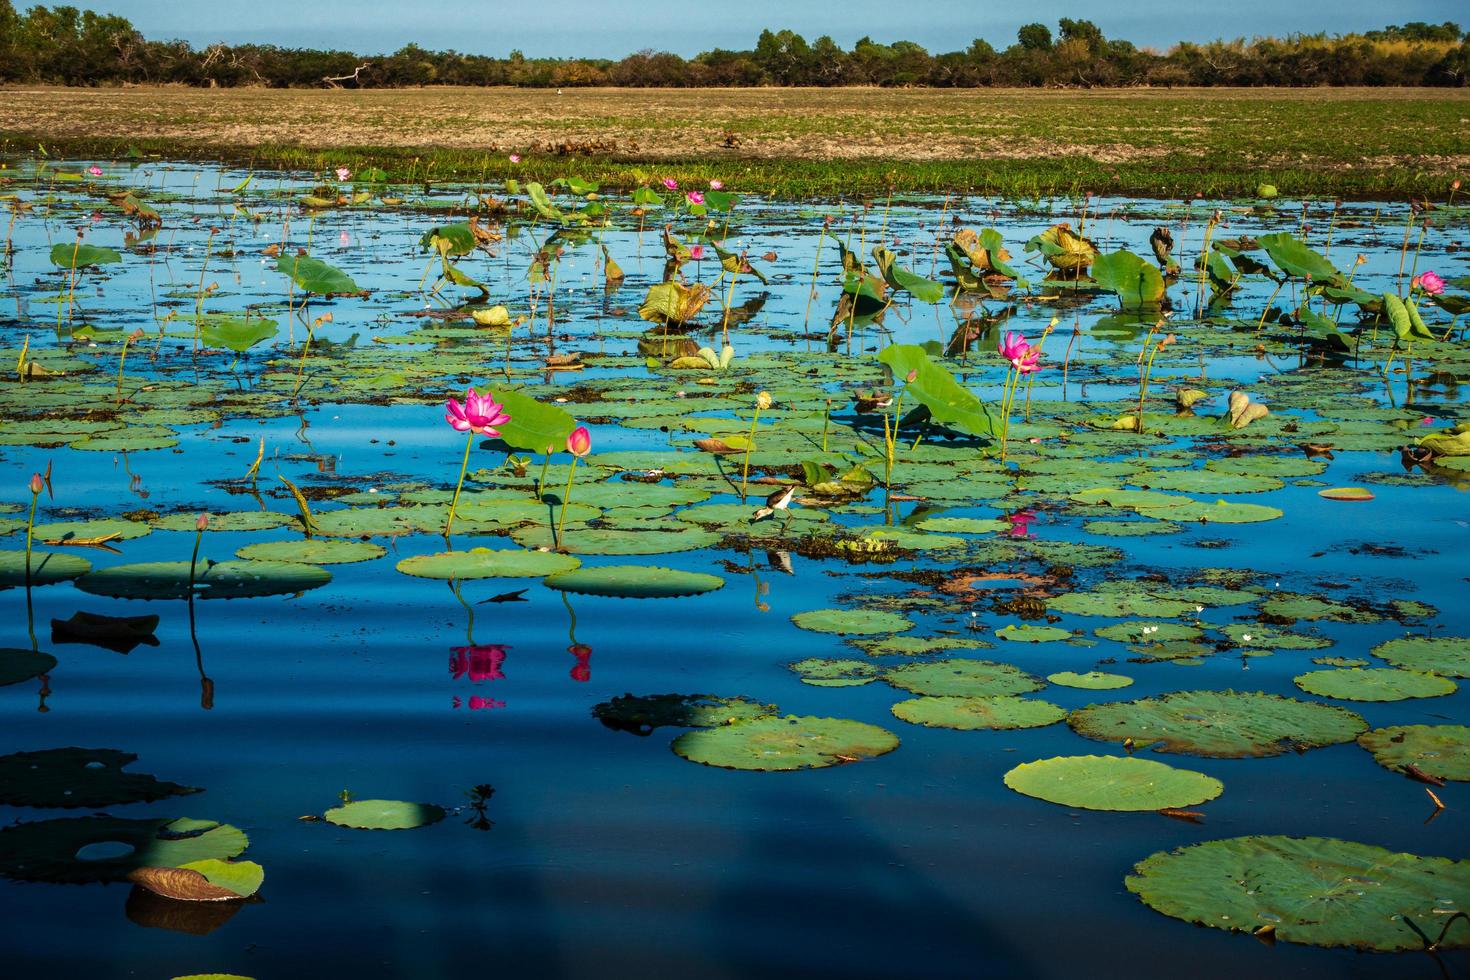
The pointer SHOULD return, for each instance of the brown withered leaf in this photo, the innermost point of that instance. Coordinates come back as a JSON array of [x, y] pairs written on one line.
[[180, 884], [716, 446], [1191, 816]]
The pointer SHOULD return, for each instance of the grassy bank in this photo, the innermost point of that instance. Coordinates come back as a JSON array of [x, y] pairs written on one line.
[[1353, 143]]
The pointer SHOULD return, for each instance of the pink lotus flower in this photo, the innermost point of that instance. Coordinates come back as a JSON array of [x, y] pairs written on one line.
[[94, 170], [696, 252], [670, 184], [479, 663], [515, 158], [695, 197], [1430, 282], [717, 184], [579, 442], [1023, 357], [1020, 522], [479, 413], [343, 173]]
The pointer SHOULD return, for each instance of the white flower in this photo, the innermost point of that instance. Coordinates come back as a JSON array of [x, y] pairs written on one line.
[[1246, 637]]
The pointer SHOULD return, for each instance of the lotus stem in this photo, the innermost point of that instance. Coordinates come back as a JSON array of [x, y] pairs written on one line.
[[199, 293], [1404, 249], [541, 480], [827, 419], [806, 322], [30, 528], [566, 501], [194, 557], [749, 442], [464, 466]]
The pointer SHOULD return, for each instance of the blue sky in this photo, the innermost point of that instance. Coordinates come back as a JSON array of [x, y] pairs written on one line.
[[605, 28]]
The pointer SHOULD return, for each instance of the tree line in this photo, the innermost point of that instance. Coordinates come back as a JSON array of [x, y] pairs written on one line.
[[69, 46]]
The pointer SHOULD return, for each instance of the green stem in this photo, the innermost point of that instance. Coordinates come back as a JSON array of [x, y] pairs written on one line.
[[827, 418], [463, 467], [541, 480], [749, 442], [30, 526], [120, 360], [566, 501]]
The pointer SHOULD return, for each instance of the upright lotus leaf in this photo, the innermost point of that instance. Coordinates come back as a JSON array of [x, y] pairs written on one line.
[[449, 240], [1064, 249], [1407, 325], [962, 678], [1221, 724], [1455, 442], [949, 403], [1104, 782], [1296, 259], [1314, 890], [1445, 655], [315, 276], [673, 302], [534, 426], [235, 333], [976, 256], [1138, 284], [784, 744], [384, 815], [1440, 751], [640, 715], [67, 778], [58, 850], [1374, 684], [733, 263], [537, 195], [70, 255], [1321, 328], [924, 290], [1000, 712]]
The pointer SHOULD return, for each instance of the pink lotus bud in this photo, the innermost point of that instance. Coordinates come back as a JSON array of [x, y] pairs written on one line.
[[94, 170], [38, 483], [671, 184], [718, 185], [515, 158], [202, 522], [579, 442]]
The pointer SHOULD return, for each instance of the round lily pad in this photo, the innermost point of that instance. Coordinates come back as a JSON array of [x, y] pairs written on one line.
[[785, 743], [47, 567], [1148, 631], [384, 815], [964, 678], [48, 850], [851, 621], [1222, 724], [1002, 712], [480, 563], [635, 582], [1093, 680], [1219, 512], [1374, 684], [19, 664], [1347, 494], [1105, 782], [1029, 633], [821, 672], [66, 778], [115, 529], [313, 551], [640, 715], [238, 520], [1435, 750], [223, 580], [1131, 529], [1446, 655], [1313, 890], [655, 538], [1264, 637]]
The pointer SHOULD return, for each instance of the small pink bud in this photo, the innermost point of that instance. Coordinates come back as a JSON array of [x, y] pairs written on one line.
[[38, 483], [201, 522], [912, 376]]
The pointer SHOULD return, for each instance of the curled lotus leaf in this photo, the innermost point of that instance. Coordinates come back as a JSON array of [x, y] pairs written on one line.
[[783, 744], [1314, 890], [72, 777], [210, 880], [963, 678], [1374, 684], [641, 714], [1221, 724], [384, 815], [1105, 782], [52, 850], [1000, 712], [1445, 655], [1441, 751]]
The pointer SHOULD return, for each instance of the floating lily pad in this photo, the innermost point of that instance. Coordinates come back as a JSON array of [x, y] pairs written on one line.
[[821, 672], [1446, 655], [1093, 680], [313, 551], [1374, 684], [964, 678], [1313, 890], [1222, 724], [1291, 606], [915, 646], [1119, 598], [239, 520], [19, 664], [1209, 481], [115, 529], [47, 567], [963, 525], [785, 743], [635, 582], [1104, 782], [1148, 631], [1264, 637], [642, 714], [1219, 512], [973, 714], [384, 815], [57, 850], [244, 878], [1347, 494], [662, 538], [1435, 750], [478, 563], [1028, 633], [1130, 529], [851, 621], [66, 778], [224, 580]]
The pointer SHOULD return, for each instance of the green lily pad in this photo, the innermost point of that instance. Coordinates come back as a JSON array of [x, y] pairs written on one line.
[[384, 815], [658, 538], [1219, 512], [313, 551], [224, 580], [963, 525], [66, 778], [1105, 782], [238, 520], [1313, 890], [964, 678], [1093, 680], [635, 582], [1435, 750], [47, 567], [48, 850], [115, 528], [1120, 598], [821, 672], [478, 563], [1209, 481], [1131, 529], [917, 646], [782, 744], [640, 715], [1001, 712], [1221, 724], [19, 664], [1028, 633], [1264, 637], [1291, 606], [244, 878], [1149, 631], [851, 621], [1446, 655], [1374, 684]]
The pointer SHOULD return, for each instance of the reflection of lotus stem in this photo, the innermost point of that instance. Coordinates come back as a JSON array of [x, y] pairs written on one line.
[[729, 299], [1404, 249], [1267, 310], [806, 322], [1423, 230], [71, 289], [890, 444], [463, 466], [565, 502], [749, 441]]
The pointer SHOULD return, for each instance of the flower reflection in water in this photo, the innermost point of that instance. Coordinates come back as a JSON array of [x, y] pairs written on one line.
[[477, 703], [478, 663], [1020, 522], [582, 670]]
